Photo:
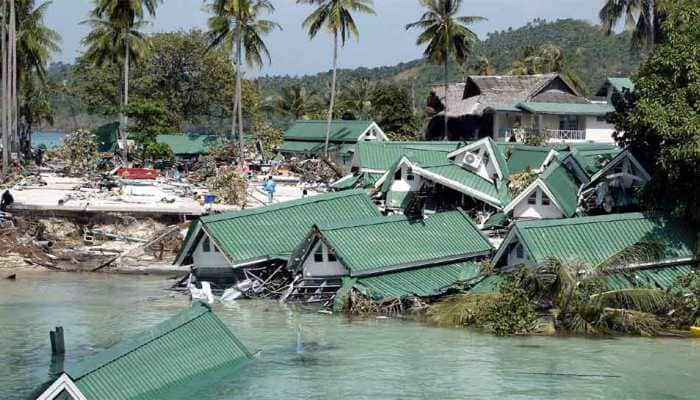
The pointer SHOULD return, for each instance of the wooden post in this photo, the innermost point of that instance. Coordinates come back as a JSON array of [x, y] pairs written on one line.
[[58, 346]]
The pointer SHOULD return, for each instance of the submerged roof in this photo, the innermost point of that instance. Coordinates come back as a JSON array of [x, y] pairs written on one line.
[[188, 143], [419, 282], [315, 131], [147, 365], [273, 232], [394, 243], [595, 239], [381, 155]]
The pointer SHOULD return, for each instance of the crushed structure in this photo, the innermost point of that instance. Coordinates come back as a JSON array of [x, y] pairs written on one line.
[[170, 360], [387, 258], [306, 139], [231, 246]]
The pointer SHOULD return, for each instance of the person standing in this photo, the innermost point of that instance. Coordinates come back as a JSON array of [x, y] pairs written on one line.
[[6, 201], [270, 187]]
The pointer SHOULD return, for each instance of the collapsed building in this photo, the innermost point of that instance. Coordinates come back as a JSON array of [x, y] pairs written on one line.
[[387, 258], [255, 243]]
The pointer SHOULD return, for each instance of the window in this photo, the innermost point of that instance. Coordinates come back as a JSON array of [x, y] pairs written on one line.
[[532, 199], [410, 177], [397, 175], [519, 251], [331, 257], [568, 122], [206, 245], [318, 255], [545, 200]]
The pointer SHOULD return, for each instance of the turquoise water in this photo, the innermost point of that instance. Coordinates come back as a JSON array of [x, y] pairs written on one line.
[[340, 358], [49, 139]]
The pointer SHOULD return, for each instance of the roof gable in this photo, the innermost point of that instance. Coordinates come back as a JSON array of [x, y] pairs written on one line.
[[272, 232], [347, 131], [192, 342], [564, 186], [484, 146], [396, 243], [595, 239]]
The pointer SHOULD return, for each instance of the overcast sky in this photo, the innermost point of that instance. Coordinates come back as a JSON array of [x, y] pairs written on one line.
[[383, 40]]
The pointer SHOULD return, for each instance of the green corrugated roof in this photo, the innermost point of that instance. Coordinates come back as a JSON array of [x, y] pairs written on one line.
[[659, 277], [563, 185], [592, 160], [621, 83], [595, 239], [396, 242], [567, 108], [489, 284], [521, 156], [274, 231], [191, 343], [188, 143], [420, 282], [295, 146], [472, 180], [315, 131], [382, 155]]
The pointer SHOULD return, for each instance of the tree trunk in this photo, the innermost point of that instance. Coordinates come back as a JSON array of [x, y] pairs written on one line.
[[124, 118], [3, 84], [234, 58], [239, 96], [444, 112], [13, 80], [330, 109]]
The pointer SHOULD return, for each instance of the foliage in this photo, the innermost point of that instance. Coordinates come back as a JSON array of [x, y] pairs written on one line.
[[148, 119], [661, 118], [357, 98], [229, 186], [336, 17], [269, 136], [641, 17], [546, 59], [641, 252], [79, 149], [686, 300], [392, 109], [296, 102], [512, 312], [462, 310], [159, 151], [520, 182]]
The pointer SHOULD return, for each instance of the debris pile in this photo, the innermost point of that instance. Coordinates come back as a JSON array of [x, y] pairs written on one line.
[[314, 170]]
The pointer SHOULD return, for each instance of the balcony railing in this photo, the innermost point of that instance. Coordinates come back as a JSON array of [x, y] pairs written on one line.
[[553, 135]]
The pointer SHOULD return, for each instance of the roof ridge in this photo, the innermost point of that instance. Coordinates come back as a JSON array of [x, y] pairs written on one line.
[[543, 223], [387, 219], [281, 206], [196, 311]]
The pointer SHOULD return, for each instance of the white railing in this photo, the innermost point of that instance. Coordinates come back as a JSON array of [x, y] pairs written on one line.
[[566, 134]]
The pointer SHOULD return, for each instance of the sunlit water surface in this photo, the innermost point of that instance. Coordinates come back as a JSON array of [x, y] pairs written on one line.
[[336, 358]]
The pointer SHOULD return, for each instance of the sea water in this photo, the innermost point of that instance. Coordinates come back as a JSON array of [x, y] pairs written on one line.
[[308, 355]]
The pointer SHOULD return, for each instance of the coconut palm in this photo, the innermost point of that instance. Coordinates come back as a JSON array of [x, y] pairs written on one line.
[[642, 17], [356, 98], [445, 35], [546, 59], [336, 17], [238, 27], [295, 102], [116, 37]]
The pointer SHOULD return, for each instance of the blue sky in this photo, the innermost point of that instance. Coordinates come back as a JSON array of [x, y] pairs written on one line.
[[383, 40]]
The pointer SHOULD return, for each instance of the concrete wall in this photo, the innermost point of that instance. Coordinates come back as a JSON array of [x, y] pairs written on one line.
[[325, 268], [599, 131], [212, 258], [524, 210]]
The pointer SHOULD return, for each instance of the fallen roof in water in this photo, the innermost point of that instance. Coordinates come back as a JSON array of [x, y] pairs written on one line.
[[161, 362]]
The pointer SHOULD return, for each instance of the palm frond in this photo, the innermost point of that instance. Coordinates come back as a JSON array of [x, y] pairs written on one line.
[[641, 252], [652, 301]]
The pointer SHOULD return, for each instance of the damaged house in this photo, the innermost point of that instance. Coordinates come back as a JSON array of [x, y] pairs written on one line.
[[593, 240], [387, 258], [374, 158], [226, 247], [473, 177], [183, 357], [307, 139], [504, 107]]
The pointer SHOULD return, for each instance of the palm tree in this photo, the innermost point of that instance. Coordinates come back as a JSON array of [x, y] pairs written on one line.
[[35, 43], [294, 101], [546, 59], [357, 98], [116, 31], [237, 27], [642, 17], [336, 17], [445, 34]]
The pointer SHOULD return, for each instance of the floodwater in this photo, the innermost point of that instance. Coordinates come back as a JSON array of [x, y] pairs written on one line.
[[49, 139], [308, 355]]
